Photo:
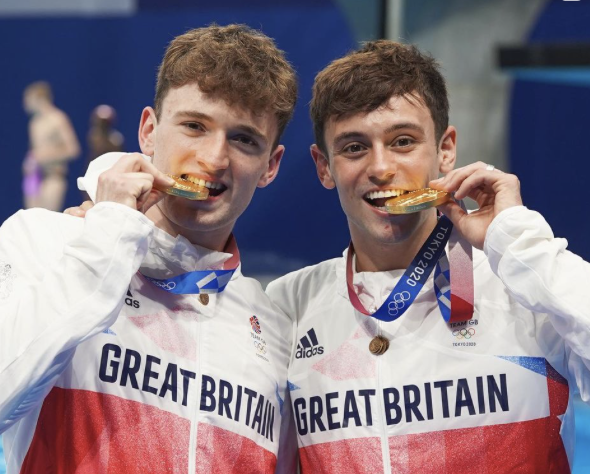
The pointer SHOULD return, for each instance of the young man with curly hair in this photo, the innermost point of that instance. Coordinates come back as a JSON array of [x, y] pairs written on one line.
[[129, 340]]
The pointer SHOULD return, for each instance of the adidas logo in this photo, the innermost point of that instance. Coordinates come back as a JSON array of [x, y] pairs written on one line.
[[129, 301], [308, 346]]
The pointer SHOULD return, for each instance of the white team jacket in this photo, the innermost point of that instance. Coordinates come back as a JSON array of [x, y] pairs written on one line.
[[101, 371], [487, 396]]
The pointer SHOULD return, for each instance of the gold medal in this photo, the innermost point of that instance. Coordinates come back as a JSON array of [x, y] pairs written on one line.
[[204, 299], [379, 345], [185, 189], [416, 201]]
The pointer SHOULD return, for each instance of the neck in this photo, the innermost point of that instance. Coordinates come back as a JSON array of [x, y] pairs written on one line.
[[379, 256], [44, 108], [212, 240]]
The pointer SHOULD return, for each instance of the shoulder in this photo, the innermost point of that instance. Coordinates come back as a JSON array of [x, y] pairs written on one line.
[[38, 218], [59, 115], [38, 230], [304, 277], [304, 288], [251, 286], [251, 289]]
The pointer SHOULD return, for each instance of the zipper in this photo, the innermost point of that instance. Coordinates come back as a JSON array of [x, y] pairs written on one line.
[[381, 408], [195, 402]]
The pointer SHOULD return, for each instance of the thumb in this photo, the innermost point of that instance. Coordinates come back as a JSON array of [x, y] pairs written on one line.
[[153, 197], [453, 211], [161, 180]]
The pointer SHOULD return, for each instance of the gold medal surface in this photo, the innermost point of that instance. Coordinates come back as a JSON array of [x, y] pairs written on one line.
[[379, 345], [416, 201], [186, 189]]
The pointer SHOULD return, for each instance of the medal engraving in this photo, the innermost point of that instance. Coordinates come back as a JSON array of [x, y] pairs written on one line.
[[416, 201]]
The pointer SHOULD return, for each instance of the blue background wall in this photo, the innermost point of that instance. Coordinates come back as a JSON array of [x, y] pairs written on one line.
[[550, 130], [90, 61]]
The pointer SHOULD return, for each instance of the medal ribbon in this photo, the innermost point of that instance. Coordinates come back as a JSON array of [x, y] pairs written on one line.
[[456, 293], [202, 281], [431, 255]]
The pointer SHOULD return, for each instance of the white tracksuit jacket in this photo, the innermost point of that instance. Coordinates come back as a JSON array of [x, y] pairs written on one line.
[[101, 371], [492, 395]]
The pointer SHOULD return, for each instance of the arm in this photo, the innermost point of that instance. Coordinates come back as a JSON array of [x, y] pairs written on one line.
[[535, 267], [58, 290], [51, 303], [288, 455], [71, 146], [287, 458], [541, 274]]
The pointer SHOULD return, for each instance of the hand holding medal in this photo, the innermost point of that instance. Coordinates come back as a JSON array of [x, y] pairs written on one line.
[[493, 190], [134, 182]]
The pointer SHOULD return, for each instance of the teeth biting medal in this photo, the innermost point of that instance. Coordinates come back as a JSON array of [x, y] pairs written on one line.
[[416, 201], [187, 189]]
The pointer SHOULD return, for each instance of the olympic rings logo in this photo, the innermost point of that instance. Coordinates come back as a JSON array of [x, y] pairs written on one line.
[[168, 286], [260, 347], [464, 333], [398, 303]]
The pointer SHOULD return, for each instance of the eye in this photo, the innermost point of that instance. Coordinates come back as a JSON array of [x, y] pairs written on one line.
[[246, 140], [193, 126], [404, 142], [353, 149]]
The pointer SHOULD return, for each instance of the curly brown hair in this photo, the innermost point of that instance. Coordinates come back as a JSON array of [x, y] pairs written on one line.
[[240, 65], [364, 80]]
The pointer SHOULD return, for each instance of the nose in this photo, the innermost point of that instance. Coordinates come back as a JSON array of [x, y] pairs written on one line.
[[382, 166], [213, 154]]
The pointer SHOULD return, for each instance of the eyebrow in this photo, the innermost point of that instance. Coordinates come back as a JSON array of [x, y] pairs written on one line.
[[192, 114], [347, 136], [358, 135], [405, 125], [248, 129]]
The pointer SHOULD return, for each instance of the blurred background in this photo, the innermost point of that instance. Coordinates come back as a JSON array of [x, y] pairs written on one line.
[[518, 75]]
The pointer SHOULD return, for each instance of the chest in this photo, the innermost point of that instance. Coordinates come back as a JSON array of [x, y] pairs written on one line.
[[169, 351], [503, 366]]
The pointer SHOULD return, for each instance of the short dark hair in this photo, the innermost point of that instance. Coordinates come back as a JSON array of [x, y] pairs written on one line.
[[364, 80]]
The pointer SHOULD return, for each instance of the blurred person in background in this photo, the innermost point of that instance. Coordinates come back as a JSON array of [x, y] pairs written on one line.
[[52, 144], [471, 369], [102, 136], [130, 341]]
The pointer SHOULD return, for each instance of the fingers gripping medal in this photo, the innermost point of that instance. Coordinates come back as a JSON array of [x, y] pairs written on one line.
[[416, 201], [186, 189]]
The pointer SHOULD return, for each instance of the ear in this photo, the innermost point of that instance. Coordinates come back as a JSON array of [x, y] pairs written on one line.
[[273, 167], [322, 166], [447, 154], [147, 131]]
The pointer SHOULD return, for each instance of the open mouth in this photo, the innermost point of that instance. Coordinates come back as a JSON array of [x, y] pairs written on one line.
[[215, 188], [379, 198]]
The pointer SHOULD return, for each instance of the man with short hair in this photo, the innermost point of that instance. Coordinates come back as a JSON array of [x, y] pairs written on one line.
[[130, 341], [395, 371], [53, 143]]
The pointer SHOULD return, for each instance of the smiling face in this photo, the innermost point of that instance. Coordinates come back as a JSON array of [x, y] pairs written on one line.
[[374, 156], [227, 149]]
